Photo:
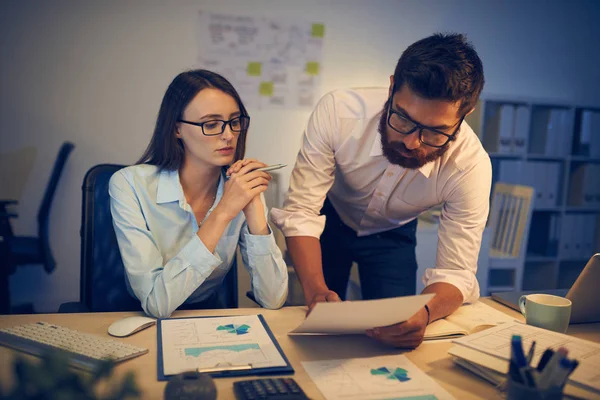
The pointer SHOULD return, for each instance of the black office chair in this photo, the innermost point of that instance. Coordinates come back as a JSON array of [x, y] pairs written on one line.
[[102, 284], [16, 251]]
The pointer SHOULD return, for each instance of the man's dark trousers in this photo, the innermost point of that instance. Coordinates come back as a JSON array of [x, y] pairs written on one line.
[[387, 263]]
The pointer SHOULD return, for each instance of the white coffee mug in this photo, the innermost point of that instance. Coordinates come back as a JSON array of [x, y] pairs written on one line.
[[546, 311]]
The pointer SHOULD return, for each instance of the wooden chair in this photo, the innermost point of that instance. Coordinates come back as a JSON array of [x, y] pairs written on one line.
[[510, 217]]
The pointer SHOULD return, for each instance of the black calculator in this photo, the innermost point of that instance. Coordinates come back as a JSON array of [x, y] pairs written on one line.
[[268, 389]]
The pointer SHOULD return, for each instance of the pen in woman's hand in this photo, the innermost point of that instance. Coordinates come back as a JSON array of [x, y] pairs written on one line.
[[266, 169], [271, 167]]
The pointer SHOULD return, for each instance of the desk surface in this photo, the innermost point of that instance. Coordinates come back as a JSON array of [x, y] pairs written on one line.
[[431, 357]]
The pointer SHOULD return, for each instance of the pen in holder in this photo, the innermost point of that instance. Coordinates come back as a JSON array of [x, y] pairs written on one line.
[[544, 382], [519, 391], [523, 382]]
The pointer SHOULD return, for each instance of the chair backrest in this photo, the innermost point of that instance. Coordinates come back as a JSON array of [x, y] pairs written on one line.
[[43, 216], [103, 287], [509, 219]]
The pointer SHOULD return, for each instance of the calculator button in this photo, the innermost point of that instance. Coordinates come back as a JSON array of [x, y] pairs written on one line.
[[269, 389]]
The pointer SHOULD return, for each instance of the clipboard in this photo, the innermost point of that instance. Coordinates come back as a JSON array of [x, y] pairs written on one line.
[[225, 369]]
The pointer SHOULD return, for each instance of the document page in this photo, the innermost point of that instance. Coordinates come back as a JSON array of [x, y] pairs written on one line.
[[496, 342], [375, 378], [191, 343], [477, 316], [351, 317], [468, 319]]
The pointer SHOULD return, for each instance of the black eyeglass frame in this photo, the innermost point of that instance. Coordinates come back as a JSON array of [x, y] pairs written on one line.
[[225, 123], [420, 127]]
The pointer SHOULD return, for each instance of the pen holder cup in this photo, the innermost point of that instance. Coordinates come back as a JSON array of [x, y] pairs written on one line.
[[518, 391]]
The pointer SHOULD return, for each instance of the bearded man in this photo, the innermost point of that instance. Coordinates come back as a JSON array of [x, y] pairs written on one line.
[[371, 161]]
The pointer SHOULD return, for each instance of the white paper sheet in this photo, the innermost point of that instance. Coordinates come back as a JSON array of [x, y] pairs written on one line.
[[191, 343], [386, 377], [496, 342], [351, 317]]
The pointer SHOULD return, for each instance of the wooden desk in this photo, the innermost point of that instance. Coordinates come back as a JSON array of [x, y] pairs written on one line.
[[431, 357]]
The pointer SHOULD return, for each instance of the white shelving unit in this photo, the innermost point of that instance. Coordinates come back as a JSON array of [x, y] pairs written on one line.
[[554, 147]]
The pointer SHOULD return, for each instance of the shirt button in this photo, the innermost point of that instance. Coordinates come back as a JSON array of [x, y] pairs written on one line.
[[379, 194], [390, 173]]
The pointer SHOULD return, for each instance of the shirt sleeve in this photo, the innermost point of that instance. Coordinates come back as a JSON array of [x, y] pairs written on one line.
[[264, 262], [462, 222], [312, 176], [160, 285]]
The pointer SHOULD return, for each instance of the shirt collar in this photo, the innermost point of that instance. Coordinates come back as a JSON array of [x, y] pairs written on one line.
[[376, 151], [169, 188]]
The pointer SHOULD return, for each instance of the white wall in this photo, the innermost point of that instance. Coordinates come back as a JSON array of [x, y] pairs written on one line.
[[94, 73]]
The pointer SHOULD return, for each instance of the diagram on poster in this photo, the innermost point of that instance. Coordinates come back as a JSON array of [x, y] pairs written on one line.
[[272, 62]]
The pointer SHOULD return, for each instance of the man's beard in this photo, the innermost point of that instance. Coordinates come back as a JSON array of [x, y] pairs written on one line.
[[390, 149]]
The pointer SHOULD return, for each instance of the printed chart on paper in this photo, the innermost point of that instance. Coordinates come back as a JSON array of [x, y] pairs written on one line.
[[192, 343], [375, 378]]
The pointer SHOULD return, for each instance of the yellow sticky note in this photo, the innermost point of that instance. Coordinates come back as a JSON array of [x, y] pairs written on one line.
[[266, 89], [318, 30], [254, 69], [312, 68]]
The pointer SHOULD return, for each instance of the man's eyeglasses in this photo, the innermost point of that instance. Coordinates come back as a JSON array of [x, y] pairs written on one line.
[[431, 137], [216, 127]]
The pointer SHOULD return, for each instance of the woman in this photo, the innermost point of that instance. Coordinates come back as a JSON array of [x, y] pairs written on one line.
[[180, 213]]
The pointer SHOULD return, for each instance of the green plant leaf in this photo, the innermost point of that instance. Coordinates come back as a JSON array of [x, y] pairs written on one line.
[[53, 379], [104, 370]]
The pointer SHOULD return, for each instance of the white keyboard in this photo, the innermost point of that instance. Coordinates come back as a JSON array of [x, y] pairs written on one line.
[[85, 350]]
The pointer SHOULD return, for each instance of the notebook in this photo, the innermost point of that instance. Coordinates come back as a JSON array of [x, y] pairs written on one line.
[[584, 294], [468, 319]]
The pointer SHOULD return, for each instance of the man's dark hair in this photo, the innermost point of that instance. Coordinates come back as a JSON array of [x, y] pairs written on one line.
[[165, 149], [444, 67]]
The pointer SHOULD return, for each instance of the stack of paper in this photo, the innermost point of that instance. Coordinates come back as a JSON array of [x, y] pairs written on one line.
[[489, 351]]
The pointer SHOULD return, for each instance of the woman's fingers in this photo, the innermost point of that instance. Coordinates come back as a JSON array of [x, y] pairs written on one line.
[[257, 190], [251, 176], [258, 181], [251, 166], [235, 167], [238, 165]]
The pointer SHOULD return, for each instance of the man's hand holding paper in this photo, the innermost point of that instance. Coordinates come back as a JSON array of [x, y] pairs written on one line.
[[356, 317], [408, 334]]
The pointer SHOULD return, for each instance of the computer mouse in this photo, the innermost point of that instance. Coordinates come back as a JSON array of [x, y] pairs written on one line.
[[130, 325]]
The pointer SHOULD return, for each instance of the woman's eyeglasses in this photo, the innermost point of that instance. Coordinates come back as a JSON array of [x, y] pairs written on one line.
[[216, 127]]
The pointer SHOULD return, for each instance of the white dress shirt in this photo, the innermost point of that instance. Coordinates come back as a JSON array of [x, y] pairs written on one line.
[[341, 158], [166, 263]]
